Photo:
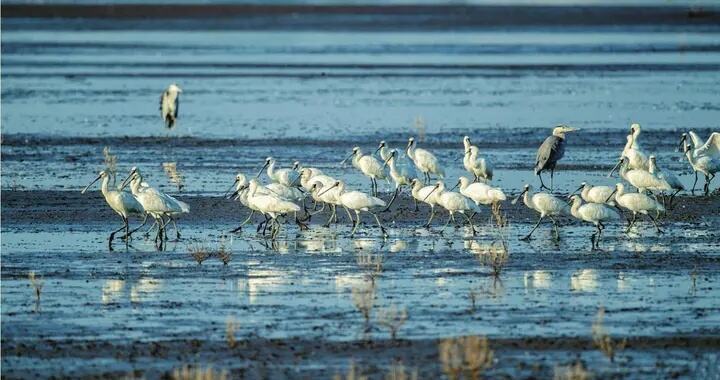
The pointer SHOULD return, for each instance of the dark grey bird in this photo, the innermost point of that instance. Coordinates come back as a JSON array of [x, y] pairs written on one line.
[[170, 104], [550, 152]]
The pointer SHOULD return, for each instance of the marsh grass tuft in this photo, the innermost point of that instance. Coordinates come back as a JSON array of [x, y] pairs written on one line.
[[187, 372], [499, 218], [110, 161], [199, 252], [370, 263], [230, 327], [399, 372], [602, 340], [363, 298], [576, 371], [175, 177], [392, 318], [224, 253], [420, 128], [465, 357]]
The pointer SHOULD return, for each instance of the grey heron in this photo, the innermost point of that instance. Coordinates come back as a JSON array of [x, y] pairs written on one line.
[[550, 152]]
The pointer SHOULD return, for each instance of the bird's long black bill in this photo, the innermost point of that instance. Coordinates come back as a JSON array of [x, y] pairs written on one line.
[[430, 193], [228, 190], [261, 170], [514, 201], [328, 189], [611, 195], [91, 183], [614, 168]]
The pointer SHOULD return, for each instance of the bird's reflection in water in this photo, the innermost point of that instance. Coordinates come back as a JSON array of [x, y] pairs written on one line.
[[584, 280], [538, 279], [139, 291], [261, 281]]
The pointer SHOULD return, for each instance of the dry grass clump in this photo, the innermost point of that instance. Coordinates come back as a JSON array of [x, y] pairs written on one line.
[[576, 371], [353, 373], [199, 252], [602, 340], [399, 372], [465, 357], [174, 175], [499, 218], [419, 126], [392, 318], [224, 253], [363, 298], [230, 327], [187, 372], [495, 255], [110, 161]]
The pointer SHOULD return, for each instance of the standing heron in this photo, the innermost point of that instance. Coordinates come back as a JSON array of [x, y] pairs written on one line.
[[122, 202], [550, 152], [544, 203], [170, 104]]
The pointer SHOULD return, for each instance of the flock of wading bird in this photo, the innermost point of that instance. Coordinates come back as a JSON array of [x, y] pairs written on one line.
[[288, 190]]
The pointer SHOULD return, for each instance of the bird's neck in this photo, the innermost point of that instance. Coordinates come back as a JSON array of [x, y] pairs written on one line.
[[271, 169], [104, 187], [410, 150], [559, 134], [575, 207], [527, 199], [585, 191]]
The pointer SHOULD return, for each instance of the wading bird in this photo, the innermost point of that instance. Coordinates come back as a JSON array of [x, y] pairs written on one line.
[[425, 195], [369, 166], [357, 201], [478, 166], [156, 203], [170, 104], [637, 158], [269, 205], [424, 161], [668, 180], [285, 177], [637, 203], [122, 202], [481, 193], [595, 213], [401, 173], [453, 202], [544, 203], [383, 150], [550, 152], [708, 164]]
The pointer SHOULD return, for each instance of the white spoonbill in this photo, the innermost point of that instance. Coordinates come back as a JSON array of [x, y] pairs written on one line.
[[425, 195], [383, 150], [596, 194], [286, 177], [357, 201], [481, 193], [707, 164], [401, 174], [637, 158], [478, 166], [546, 204], [595, 213], [668, 180], [298, 168], [170, 104], [454, 202], [550, 152], [369, 166], [270, 205], [710, 147], [155, 202], [122, 202], [425, 161], [639, 178], [637, 203]]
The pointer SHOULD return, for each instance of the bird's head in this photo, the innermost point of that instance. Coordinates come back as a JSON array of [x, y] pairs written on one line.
[[562, 129], [102, 174], [652, 158], [634, 128], [574, 198], [356, 150], [411, 141], [380, 146], [526, 189], [466, 140], [174, 88], [268, 160]]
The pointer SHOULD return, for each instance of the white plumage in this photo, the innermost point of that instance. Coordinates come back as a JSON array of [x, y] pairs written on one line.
[[597, 194], [170, 105], [358, 201], [369, 166], [637, 158], [478, 166], [455, 202], [481, 193], [285, 177], [401, 173], [427, 195], [425, 161], [546, 204], [595, 213], [639, 178], [705, 160], [637, 203]]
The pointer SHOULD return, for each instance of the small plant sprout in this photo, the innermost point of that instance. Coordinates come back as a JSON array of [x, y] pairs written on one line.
[[353, 373], [602, 340], [37, 284], [174, 175], [392, 318], [495, 255], [230, 327], [199, 252], [363, 298], [466, 357], [187, 372], [399, 372], [224, 253], [576, 371]]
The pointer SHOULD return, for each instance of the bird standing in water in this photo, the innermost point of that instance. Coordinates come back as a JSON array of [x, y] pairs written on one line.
[[550, 152], [170, 104]]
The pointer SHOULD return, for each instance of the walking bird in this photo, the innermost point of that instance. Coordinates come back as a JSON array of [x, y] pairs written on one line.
[[546, 204], [170, 104], [595, 213]]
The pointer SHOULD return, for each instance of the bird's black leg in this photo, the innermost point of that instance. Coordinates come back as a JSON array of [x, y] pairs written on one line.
[[527, 237], [542, 184], [432, 215], [592, 241], [139, 227], [694, 183], [416, 205], [469, 220], [552, 174], [657, 228], [632, 222], [395, 194], [555, 228], [112, 234], [382, 229]]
